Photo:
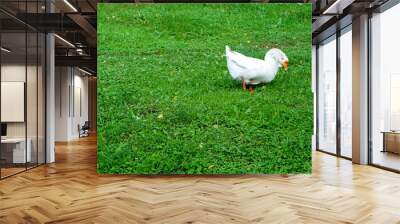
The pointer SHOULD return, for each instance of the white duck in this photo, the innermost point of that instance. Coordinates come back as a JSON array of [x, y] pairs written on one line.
[[253, 71]]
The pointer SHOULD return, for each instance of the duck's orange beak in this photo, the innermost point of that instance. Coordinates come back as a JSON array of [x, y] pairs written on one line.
[[285, 65]]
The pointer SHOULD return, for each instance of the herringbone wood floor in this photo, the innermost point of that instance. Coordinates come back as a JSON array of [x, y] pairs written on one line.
[[70, 191]]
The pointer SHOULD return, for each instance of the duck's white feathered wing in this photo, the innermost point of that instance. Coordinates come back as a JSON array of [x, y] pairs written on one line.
[[242, 67]]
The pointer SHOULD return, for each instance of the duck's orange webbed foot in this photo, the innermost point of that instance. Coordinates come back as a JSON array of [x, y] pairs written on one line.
[[251, 88], [244, 85]]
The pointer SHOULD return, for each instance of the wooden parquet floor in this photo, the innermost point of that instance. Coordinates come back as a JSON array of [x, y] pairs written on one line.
[[70, 191]]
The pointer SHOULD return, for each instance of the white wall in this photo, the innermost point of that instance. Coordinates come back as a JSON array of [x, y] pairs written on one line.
[[33, 126], [14, 72], [70, 83], [62, 82], [81, 84], [17, 72]]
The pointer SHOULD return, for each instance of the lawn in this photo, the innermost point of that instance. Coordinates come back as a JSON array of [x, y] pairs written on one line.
[[167, 104]]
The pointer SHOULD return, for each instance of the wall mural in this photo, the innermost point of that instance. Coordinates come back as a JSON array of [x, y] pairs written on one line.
[[204, 88]]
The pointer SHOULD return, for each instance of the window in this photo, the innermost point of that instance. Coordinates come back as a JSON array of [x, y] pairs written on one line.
[[22, 77], [385, 89], [327, 95], [346, 92]]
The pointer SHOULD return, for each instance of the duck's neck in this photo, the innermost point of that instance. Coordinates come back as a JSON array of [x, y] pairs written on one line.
[[272, 65]]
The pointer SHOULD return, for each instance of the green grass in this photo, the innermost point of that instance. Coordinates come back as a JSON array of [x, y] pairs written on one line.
[[167, 105]]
